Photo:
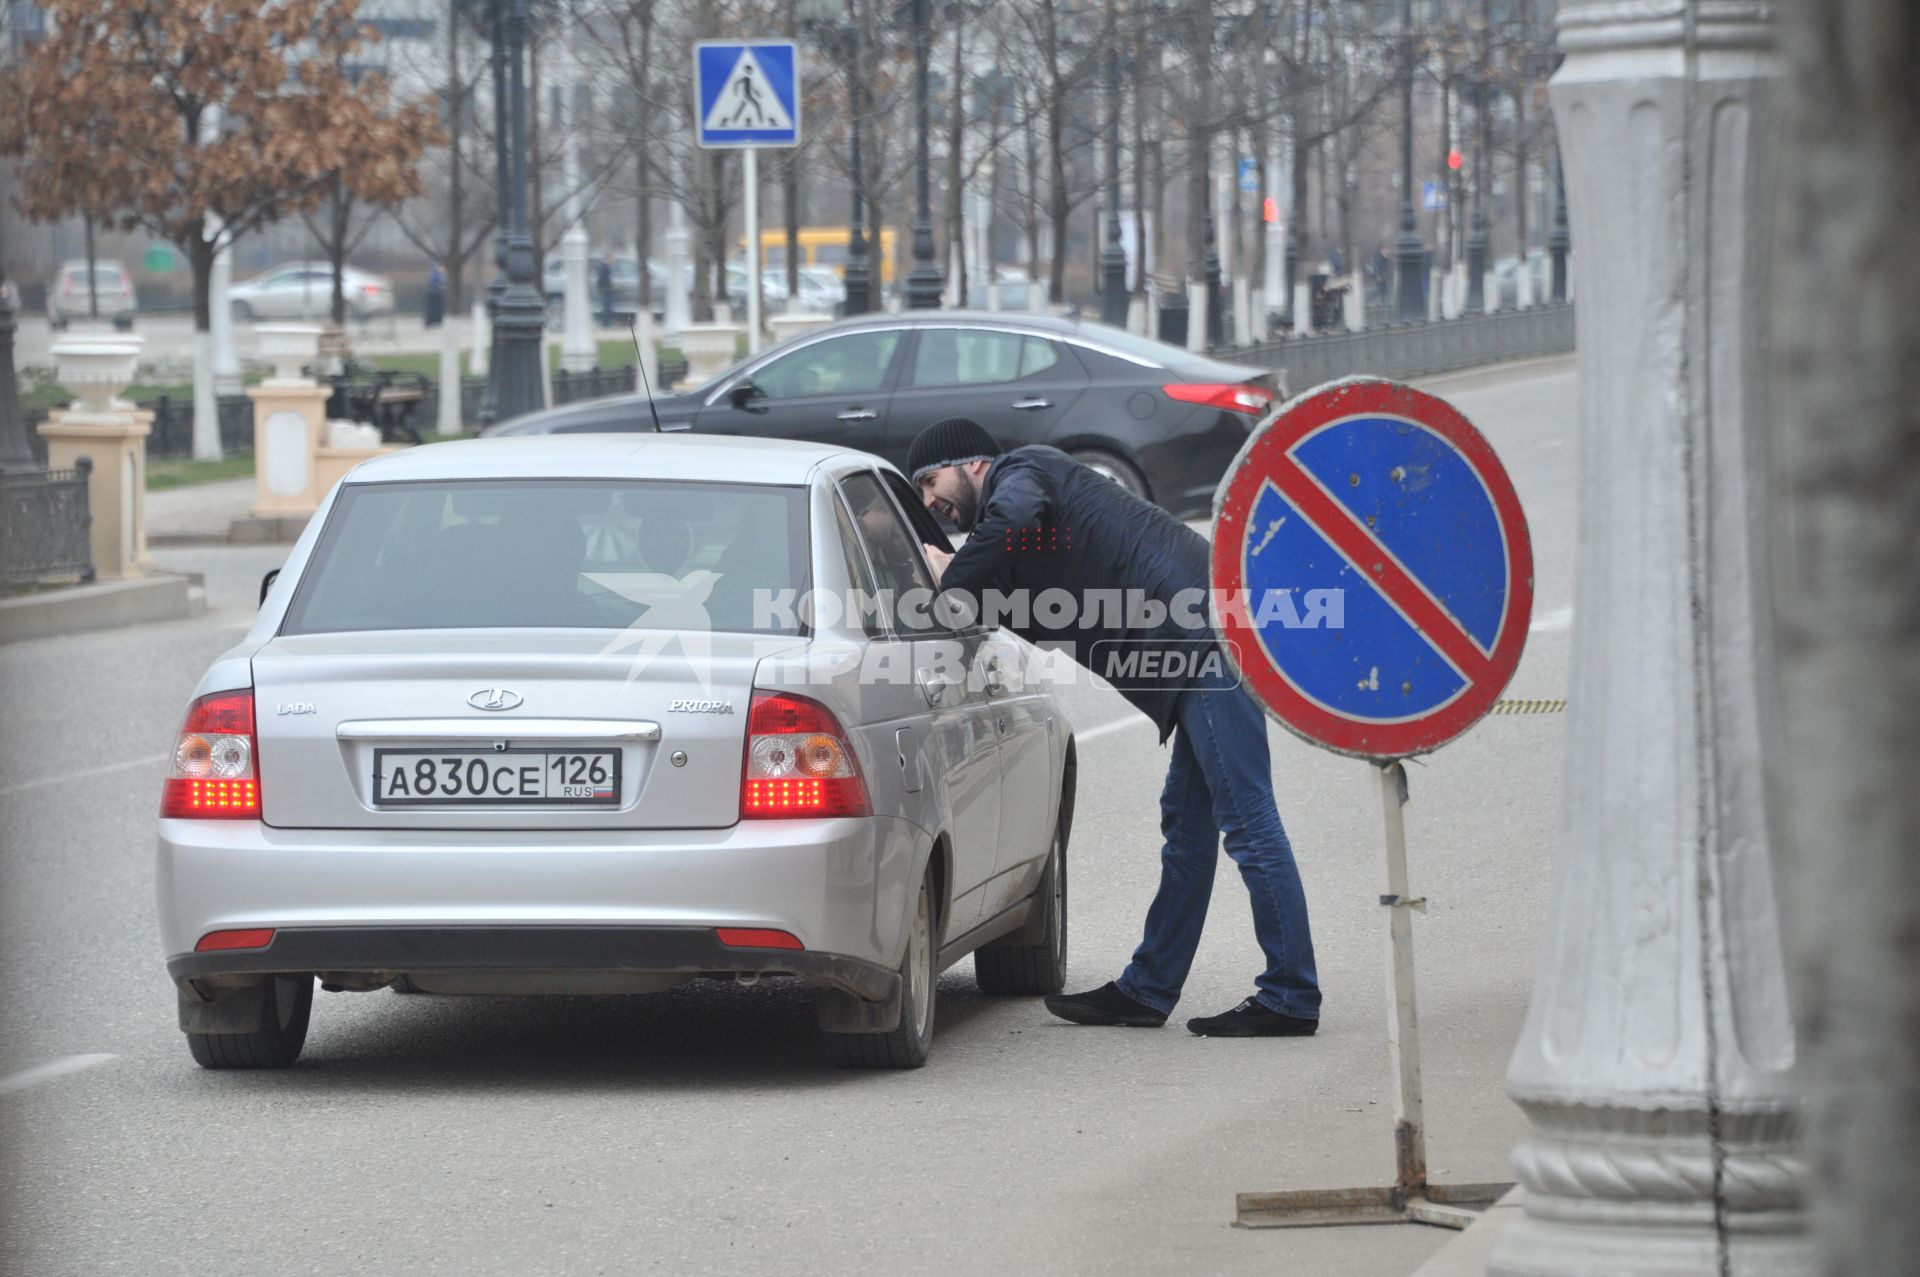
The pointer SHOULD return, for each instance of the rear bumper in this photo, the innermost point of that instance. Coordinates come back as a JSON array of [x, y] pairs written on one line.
[[419, 950], [379, 900]]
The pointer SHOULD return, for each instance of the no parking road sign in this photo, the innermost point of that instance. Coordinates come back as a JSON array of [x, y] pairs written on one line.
[[1373, 580], [1384, 508]]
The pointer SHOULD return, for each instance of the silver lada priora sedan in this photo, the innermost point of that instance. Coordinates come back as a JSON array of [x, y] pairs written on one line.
[[605, 714]]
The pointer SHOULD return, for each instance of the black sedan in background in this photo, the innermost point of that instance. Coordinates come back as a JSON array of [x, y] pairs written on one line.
[[1163, 422]]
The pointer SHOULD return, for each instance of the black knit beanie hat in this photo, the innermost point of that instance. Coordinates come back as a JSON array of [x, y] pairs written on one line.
[[953, 442]]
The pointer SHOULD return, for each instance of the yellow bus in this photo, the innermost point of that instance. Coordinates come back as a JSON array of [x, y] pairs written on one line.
[[822, 246]]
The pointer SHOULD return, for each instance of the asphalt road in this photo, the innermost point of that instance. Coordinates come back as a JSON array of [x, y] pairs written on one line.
[[700, 1130]]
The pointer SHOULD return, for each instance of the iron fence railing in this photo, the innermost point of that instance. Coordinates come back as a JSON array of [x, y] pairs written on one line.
[[1415, 350], [46, 526]]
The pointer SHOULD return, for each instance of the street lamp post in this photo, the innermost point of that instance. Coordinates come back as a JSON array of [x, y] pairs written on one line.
[[16, 451], [1558, 240], [1412, 259], [497, 286], [522, 324], [843, 40], [925, 281], [1477, 299], [1113, 258]]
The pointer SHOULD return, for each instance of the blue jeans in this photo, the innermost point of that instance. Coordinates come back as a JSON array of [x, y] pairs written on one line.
[[1220, 783]]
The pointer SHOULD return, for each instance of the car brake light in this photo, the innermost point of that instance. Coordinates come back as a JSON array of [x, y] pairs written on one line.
[[370, 289], [1244, 397], [798, 762], [254, 938], [213, 776], [757, 938]]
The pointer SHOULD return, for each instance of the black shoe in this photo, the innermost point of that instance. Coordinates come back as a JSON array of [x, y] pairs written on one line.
[[1251, 1020], [1104, 1005]]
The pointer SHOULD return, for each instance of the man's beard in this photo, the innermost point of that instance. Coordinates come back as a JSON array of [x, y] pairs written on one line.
[[966, 504]]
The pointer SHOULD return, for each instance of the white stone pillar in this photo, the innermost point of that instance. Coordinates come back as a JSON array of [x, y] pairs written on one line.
[[679, 304], [1196, 315], [1436, 289], [448, 421], [480, 356], [1654, 1063], [1303, 307]]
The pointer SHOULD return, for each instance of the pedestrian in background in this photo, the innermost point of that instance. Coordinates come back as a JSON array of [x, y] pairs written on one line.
[[603, 281], [434, 308], [1219, 781]]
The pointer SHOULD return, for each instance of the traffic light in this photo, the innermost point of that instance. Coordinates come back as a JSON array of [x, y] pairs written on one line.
[[1453, 159]]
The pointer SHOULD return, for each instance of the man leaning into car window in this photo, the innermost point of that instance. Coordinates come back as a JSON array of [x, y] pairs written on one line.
[[1038, 520]]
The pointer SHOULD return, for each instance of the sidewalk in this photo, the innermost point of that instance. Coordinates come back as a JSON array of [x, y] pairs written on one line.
[[199, 513]]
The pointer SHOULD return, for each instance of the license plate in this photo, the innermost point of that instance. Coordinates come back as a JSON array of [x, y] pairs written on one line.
[[496, 778]]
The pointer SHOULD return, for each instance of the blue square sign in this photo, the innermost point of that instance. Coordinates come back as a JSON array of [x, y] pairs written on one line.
[[746, 93]]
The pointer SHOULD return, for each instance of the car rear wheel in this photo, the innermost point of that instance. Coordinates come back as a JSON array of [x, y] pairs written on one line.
[[276, 1043], [1118, 469], [907, 1045], [1041, 967]]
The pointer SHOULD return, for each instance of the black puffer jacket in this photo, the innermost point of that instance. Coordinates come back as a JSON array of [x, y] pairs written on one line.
[[1046, 522]]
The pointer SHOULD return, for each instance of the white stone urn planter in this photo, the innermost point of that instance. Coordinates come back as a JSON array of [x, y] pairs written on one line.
[[786, 326], [96, 369], [289, 348], [709, 349]]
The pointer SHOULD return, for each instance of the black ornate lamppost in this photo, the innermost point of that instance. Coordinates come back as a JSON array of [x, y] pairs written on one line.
[[1477, 300], [1113, 258], [1411, 257], [16, 450], [924, 281], [842, 38], [502, 171], [521, 327]]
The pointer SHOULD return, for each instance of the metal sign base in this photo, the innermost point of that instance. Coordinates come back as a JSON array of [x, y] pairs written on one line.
[[1411, 1199]]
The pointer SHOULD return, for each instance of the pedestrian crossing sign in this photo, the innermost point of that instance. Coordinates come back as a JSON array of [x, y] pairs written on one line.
[[746, 93]]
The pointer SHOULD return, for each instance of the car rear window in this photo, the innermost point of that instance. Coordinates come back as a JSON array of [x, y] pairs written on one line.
[[578, 554]]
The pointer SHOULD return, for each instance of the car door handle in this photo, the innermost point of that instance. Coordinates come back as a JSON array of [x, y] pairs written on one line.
[[857, 414], [1001, 723], [1032, 405]]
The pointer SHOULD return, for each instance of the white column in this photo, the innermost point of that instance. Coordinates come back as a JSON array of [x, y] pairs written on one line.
[[1302, 306], [1241, 332], [448, 421], [1354, 304], [1654, 1063], [480, 356], [1197, 314], [578, 352], [227, 378], [679, 304]]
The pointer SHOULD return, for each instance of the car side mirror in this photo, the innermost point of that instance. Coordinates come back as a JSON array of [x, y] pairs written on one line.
[[745, 393], [266, 583]]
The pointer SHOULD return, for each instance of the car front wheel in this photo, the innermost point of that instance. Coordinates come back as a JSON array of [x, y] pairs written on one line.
[[908, 1044], [1040, 967]]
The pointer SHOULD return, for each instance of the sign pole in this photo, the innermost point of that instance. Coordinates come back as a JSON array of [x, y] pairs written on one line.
[[753, 249], [1403, 1021]]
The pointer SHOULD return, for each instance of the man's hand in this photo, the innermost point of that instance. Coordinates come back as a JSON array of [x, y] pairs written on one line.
[[938, 559]]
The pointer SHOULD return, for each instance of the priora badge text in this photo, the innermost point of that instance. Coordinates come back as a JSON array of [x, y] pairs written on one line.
[[699, 707]]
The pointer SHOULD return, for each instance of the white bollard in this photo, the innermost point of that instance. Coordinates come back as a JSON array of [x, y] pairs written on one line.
[[1436, 286], [1303, 310], [1196, 315], [448, 421], [480, 352], [1242, 334], [578, 353], [1490, 292], [1525, 301], [1355, 306]]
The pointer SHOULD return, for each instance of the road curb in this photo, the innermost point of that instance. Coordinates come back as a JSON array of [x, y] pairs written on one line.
[[102, 606], [1466, 1255], [1465, 379]]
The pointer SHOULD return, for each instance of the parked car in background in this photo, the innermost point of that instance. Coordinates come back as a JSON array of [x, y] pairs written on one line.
[[626, 286], [472, 746], [304, 290], [1507, 272], [68, 296], [1151, 416], [1014, 289]]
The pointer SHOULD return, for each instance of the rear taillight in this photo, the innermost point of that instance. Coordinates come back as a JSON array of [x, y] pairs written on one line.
[[213, 776], [1243, 397], [798, 762], [370, 290]]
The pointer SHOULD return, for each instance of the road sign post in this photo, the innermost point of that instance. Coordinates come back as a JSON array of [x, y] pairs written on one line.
[[746, 96], [1373, 581]]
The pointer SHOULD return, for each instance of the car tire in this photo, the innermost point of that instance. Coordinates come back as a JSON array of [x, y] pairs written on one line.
[[1116, 468], [275, 1044], [242, 313], [1032, 970], [907, 1044]]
